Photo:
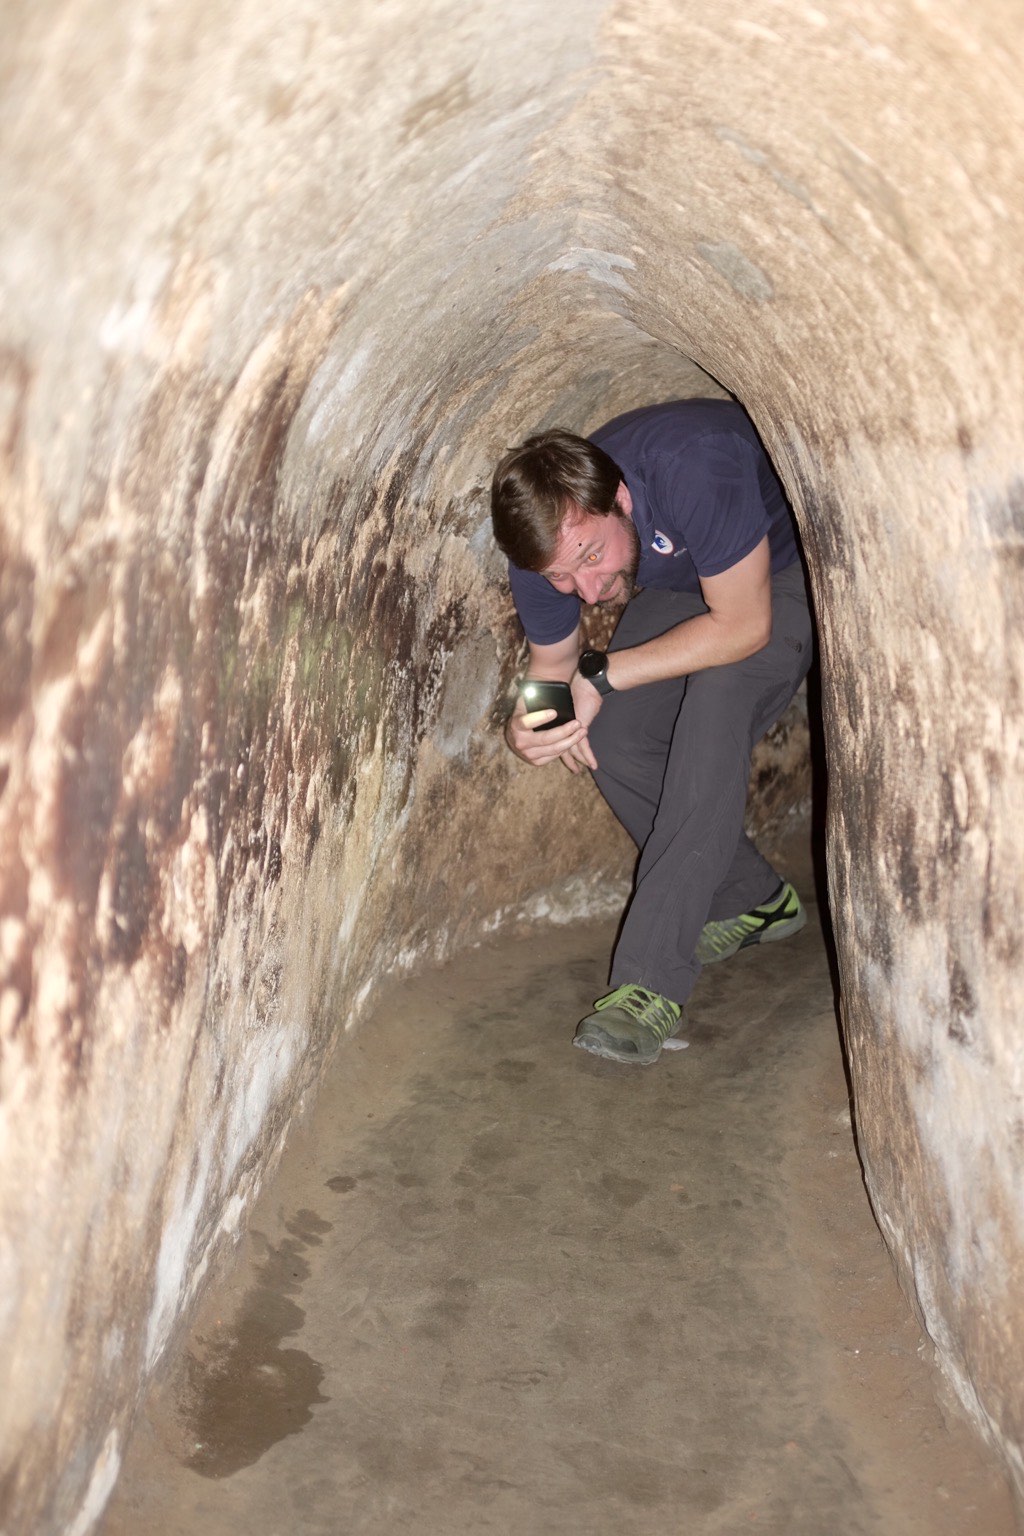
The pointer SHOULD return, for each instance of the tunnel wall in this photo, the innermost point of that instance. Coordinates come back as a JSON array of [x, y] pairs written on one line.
[[277, 292]]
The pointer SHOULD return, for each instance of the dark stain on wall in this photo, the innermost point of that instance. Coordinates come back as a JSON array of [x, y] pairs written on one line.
[[826, 530], [963, 1004], [437, 108], [17, 581], [1011, 522], [132, 890], [88, 781], [907, 859]]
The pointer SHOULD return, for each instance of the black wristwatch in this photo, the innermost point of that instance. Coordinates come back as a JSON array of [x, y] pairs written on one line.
[[594, 667]]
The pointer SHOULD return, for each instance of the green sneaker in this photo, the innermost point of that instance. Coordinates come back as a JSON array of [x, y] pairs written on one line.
[[777, 919], [631, 1024]]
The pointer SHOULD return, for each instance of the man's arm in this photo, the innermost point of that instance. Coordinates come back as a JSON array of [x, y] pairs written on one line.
[[553, 663], [738, 623]]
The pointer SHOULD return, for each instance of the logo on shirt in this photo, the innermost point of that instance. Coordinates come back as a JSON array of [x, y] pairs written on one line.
[[662, 544]]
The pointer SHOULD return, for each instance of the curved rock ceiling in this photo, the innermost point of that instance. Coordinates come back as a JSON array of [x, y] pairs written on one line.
[[280, 282]]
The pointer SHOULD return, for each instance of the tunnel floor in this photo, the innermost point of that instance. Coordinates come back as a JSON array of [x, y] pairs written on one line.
[[500, 1285]]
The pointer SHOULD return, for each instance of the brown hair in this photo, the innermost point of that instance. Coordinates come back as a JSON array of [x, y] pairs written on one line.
[[538, 483]]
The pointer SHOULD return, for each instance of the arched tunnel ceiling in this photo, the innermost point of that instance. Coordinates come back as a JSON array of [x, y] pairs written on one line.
[[279, 283]]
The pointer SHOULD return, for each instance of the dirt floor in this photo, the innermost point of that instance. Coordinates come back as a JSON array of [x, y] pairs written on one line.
[[499, 1285]]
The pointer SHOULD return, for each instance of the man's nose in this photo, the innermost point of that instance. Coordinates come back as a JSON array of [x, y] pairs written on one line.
[[588, 585]]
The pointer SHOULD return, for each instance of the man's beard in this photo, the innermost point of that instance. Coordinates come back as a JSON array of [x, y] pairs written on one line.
[[622, 586]]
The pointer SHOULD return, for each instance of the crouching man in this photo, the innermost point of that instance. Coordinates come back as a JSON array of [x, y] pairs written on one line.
[[675, 511]]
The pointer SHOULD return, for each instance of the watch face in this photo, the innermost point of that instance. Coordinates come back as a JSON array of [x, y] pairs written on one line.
[[592, 662]]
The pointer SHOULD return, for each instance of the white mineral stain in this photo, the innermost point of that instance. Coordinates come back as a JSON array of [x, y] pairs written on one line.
[[233, 1212], [600, 265], [101, 1486], [332, 397], [263, 1076], [176, 1243]]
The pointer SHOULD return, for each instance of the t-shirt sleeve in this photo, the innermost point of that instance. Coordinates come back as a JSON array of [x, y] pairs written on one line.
[[546, 614], [712, 496]]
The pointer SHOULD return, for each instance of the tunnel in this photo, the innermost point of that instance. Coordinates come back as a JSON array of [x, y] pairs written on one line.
[[281, 283]]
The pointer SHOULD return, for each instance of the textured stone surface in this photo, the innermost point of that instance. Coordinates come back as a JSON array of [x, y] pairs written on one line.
[[277, 287]]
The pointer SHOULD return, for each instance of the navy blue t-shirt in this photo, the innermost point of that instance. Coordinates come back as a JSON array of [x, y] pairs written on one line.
[[704, 495]]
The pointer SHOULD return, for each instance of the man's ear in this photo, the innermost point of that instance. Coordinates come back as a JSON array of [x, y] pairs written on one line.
[[623, 500]]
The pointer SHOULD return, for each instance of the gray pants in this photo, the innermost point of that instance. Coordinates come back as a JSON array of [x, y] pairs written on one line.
[[673, 764]]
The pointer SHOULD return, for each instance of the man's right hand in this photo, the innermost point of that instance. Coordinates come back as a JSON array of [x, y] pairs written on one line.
[[569, 742]]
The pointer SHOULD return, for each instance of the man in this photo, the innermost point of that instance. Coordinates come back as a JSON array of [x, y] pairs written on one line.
[[675, 511]]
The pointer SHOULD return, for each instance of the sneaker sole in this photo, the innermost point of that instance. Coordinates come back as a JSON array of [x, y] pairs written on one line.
[[769, 935], [599, 1043]]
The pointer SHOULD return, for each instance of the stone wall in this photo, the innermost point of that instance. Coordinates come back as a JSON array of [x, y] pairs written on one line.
[[280, 281]]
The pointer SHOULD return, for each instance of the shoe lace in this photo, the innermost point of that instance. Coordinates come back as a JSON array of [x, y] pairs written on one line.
[[658, 1014]]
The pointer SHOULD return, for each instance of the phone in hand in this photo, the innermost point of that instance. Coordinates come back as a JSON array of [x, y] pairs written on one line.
[[542, 695]]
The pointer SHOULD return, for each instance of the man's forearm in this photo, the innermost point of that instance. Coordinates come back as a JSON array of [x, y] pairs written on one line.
[[555, 663], [701, 642], [738, 622], [562, 672]]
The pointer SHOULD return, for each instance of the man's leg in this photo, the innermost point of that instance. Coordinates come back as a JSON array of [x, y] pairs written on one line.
[[750, 879], [693, 847], [632, 735]]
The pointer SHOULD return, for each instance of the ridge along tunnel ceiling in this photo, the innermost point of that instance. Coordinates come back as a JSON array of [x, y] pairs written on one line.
[[280, 282]]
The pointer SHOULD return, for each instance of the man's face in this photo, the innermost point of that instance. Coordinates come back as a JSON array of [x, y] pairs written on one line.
[[597, 557]]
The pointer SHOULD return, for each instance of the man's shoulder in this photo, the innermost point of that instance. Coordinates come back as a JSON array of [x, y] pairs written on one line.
[[671, 426]]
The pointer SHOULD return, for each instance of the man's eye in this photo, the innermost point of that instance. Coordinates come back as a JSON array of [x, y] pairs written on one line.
[[594, 555]]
